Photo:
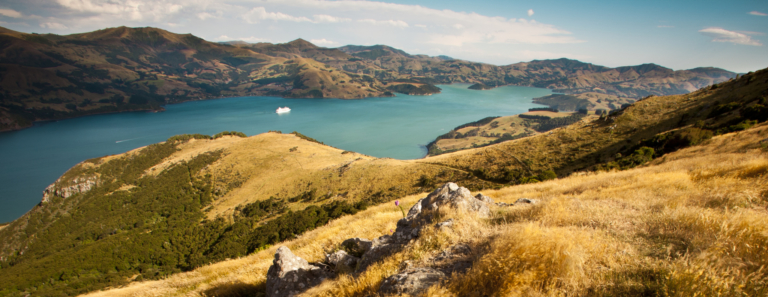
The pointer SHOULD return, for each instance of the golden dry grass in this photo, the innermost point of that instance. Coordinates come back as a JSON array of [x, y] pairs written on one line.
[[693, 223]]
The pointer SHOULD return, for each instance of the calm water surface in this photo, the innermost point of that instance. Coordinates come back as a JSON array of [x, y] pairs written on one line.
[[397, 127]]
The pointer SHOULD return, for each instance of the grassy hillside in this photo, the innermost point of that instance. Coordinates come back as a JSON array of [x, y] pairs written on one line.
[[493, 130], [194, 199], [691, 223], [48, 77]]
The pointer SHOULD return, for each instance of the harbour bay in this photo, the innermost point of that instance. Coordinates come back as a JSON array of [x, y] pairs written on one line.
[[396, 127]]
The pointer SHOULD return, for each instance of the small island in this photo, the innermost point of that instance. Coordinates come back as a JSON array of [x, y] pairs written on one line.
[[414, 89], [480, 86]]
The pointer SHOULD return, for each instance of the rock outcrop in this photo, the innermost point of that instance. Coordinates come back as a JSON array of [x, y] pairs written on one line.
[[65, 190], [290, 275]]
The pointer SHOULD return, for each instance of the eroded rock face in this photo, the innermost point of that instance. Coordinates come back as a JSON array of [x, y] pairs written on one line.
[[356, 246], [290, 275], [342, 262], [411, 281], [484, 198], [76, 186], [451, 195]]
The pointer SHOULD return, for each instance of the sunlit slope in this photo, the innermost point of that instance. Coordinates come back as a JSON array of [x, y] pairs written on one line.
[[663, 123], [692, 222], [173, 206]]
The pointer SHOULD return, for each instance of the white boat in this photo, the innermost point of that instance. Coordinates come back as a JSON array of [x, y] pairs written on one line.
[[283, 110]]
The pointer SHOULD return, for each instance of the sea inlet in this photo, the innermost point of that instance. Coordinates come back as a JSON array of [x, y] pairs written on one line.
[[396, 127]]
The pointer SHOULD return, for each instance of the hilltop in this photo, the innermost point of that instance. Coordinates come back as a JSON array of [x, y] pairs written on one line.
[[194, 199], [49, 77]]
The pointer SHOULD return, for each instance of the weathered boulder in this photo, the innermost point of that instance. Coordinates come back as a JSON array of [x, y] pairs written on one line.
[[342, 262], [484, 198], [356, 246], [526, 200], [290, 275], [460, 198], [411, 281], [445, 224]]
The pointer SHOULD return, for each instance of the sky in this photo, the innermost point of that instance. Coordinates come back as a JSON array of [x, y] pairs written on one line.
[[678, 34]]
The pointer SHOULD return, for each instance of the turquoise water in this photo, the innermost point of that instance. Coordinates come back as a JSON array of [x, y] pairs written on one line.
[[396, 127]]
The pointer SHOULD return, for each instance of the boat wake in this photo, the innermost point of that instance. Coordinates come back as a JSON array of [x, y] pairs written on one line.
[[119, 141]]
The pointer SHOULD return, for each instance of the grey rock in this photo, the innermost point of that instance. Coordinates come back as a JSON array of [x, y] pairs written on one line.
[[356, 246], [444, 225], [290, 275], [502, 204], [526, 200], [411, 281], [342, 262], [484, 198], [456, 197]]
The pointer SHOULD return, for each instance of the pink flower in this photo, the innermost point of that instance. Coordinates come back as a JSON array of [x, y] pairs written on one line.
[[397, 202], [390, 231]]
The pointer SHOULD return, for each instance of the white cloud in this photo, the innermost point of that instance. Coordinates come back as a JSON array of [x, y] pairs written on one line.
[[530, 12], [250, 39], [322, 42], [757, 13], [540, 55], [135, 10], [722, 35], [53, 25], [458, 26], [10, 13], [260, 14], [395, 23], [324, 18], [205, 15]]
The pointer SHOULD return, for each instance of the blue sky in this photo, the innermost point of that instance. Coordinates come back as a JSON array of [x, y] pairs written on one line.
[[674, 34]]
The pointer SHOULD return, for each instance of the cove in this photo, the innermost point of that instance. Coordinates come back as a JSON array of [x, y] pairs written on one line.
[[396, 127]]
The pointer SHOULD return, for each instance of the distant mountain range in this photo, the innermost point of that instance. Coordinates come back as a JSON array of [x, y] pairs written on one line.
[[48, 76]]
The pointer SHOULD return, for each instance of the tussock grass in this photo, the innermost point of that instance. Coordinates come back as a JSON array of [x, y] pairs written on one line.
[[693, 223]]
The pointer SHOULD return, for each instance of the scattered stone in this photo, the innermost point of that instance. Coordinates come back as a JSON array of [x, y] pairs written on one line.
[[342, 262], [526, 200], [411, 281], [356, 246], [484, 198], [290, 275], [447, 224], [502, 204]]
